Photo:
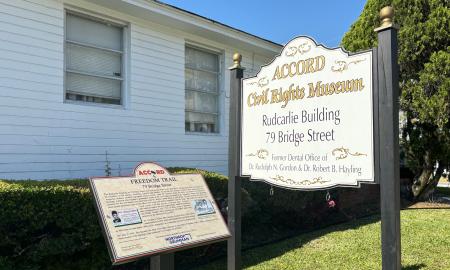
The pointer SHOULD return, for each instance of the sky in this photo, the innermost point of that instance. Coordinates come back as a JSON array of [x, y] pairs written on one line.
[[280, 21]]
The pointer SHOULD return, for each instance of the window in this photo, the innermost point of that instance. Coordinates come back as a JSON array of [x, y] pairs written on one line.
[[94, 56], [202, 91]]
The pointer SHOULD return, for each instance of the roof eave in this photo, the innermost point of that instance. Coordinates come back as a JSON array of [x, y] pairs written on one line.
[[183, 20]]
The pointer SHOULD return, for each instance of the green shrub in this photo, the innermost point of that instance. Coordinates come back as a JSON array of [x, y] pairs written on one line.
[[53, 225], [49, 225]]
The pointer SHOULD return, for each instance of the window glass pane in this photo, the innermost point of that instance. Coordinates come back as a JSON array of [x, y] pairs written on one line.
[[201, 102], [198, 59], [202, 86], [200, 80], [93, 61], [190, 60], [93, 32], [206, 102], [85, 98], [200, 122], [93, 86], [189, 97]]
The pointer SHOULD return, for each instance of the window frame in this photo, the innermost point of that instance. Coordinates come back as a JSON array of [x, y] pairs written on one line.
[[219, 94], [124, 56]]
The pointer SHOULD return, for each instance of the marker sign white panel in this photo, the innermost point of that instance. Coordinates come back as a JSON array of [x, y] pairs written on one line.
[[307, 119], [153, 211]]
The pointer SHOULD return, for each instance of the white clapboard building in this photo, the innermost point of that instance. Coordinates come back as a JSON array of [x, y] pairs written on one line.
[[97, 85]]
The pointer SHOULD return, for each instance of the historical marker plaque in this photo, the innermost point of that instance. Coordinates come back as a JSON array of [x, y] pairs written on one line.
[[307, 119], [155, 212]]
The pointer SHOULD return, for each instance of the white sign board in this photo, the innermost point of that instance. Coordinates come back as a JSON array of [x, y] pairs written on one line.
[[307, 119], [153, 212]]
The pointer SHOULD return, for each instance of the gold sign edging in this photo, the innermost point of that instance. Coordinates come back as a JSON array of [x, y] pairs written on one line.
[[343, 65], [261, 82], [261, 154], [300, 49], [291, 182], [344, 153]]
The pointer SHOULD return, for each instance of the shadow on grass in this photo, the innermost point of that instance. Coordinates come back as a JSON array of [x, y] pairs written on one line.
[[414, 267], [303, 239], [260, 254]]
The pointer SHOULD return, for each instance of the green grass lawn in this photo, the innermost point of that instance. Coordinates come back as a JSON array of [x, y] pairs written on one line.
[[356, 245]]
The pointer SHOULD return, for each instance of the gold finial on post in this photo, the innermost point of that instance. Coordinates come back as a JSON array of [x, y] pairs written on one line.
[[237, 58], [387, 18]]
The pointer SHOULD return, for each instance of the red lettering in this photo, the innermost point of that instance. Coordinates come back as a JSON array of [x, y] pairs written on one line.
[[148, 172]]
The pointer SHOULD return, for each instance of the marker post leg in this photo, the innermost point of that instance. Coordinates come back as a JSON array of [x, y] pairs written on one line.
[[162, 262]]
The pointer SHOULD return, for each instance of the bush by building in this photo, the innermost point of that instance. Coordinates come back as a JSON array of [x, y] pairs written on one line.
[[53, 225]]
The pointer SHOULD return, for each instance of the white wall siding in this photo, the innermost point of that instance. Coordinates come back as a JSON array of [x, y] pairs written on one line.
[[43, 137]]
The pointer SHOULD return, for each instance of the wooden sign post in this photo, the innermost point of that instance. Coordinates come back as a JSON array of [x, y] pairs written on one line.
[[316, 118]]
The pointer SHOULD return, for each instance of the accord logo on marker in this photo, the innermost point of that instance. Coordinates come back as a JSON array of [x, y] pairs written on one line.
[[151, 172]]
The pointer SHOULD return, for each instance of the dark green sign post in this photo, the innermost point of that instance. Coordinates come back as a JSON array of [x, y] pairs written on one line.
[[389, 172], [234, 163], [385, 134]]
